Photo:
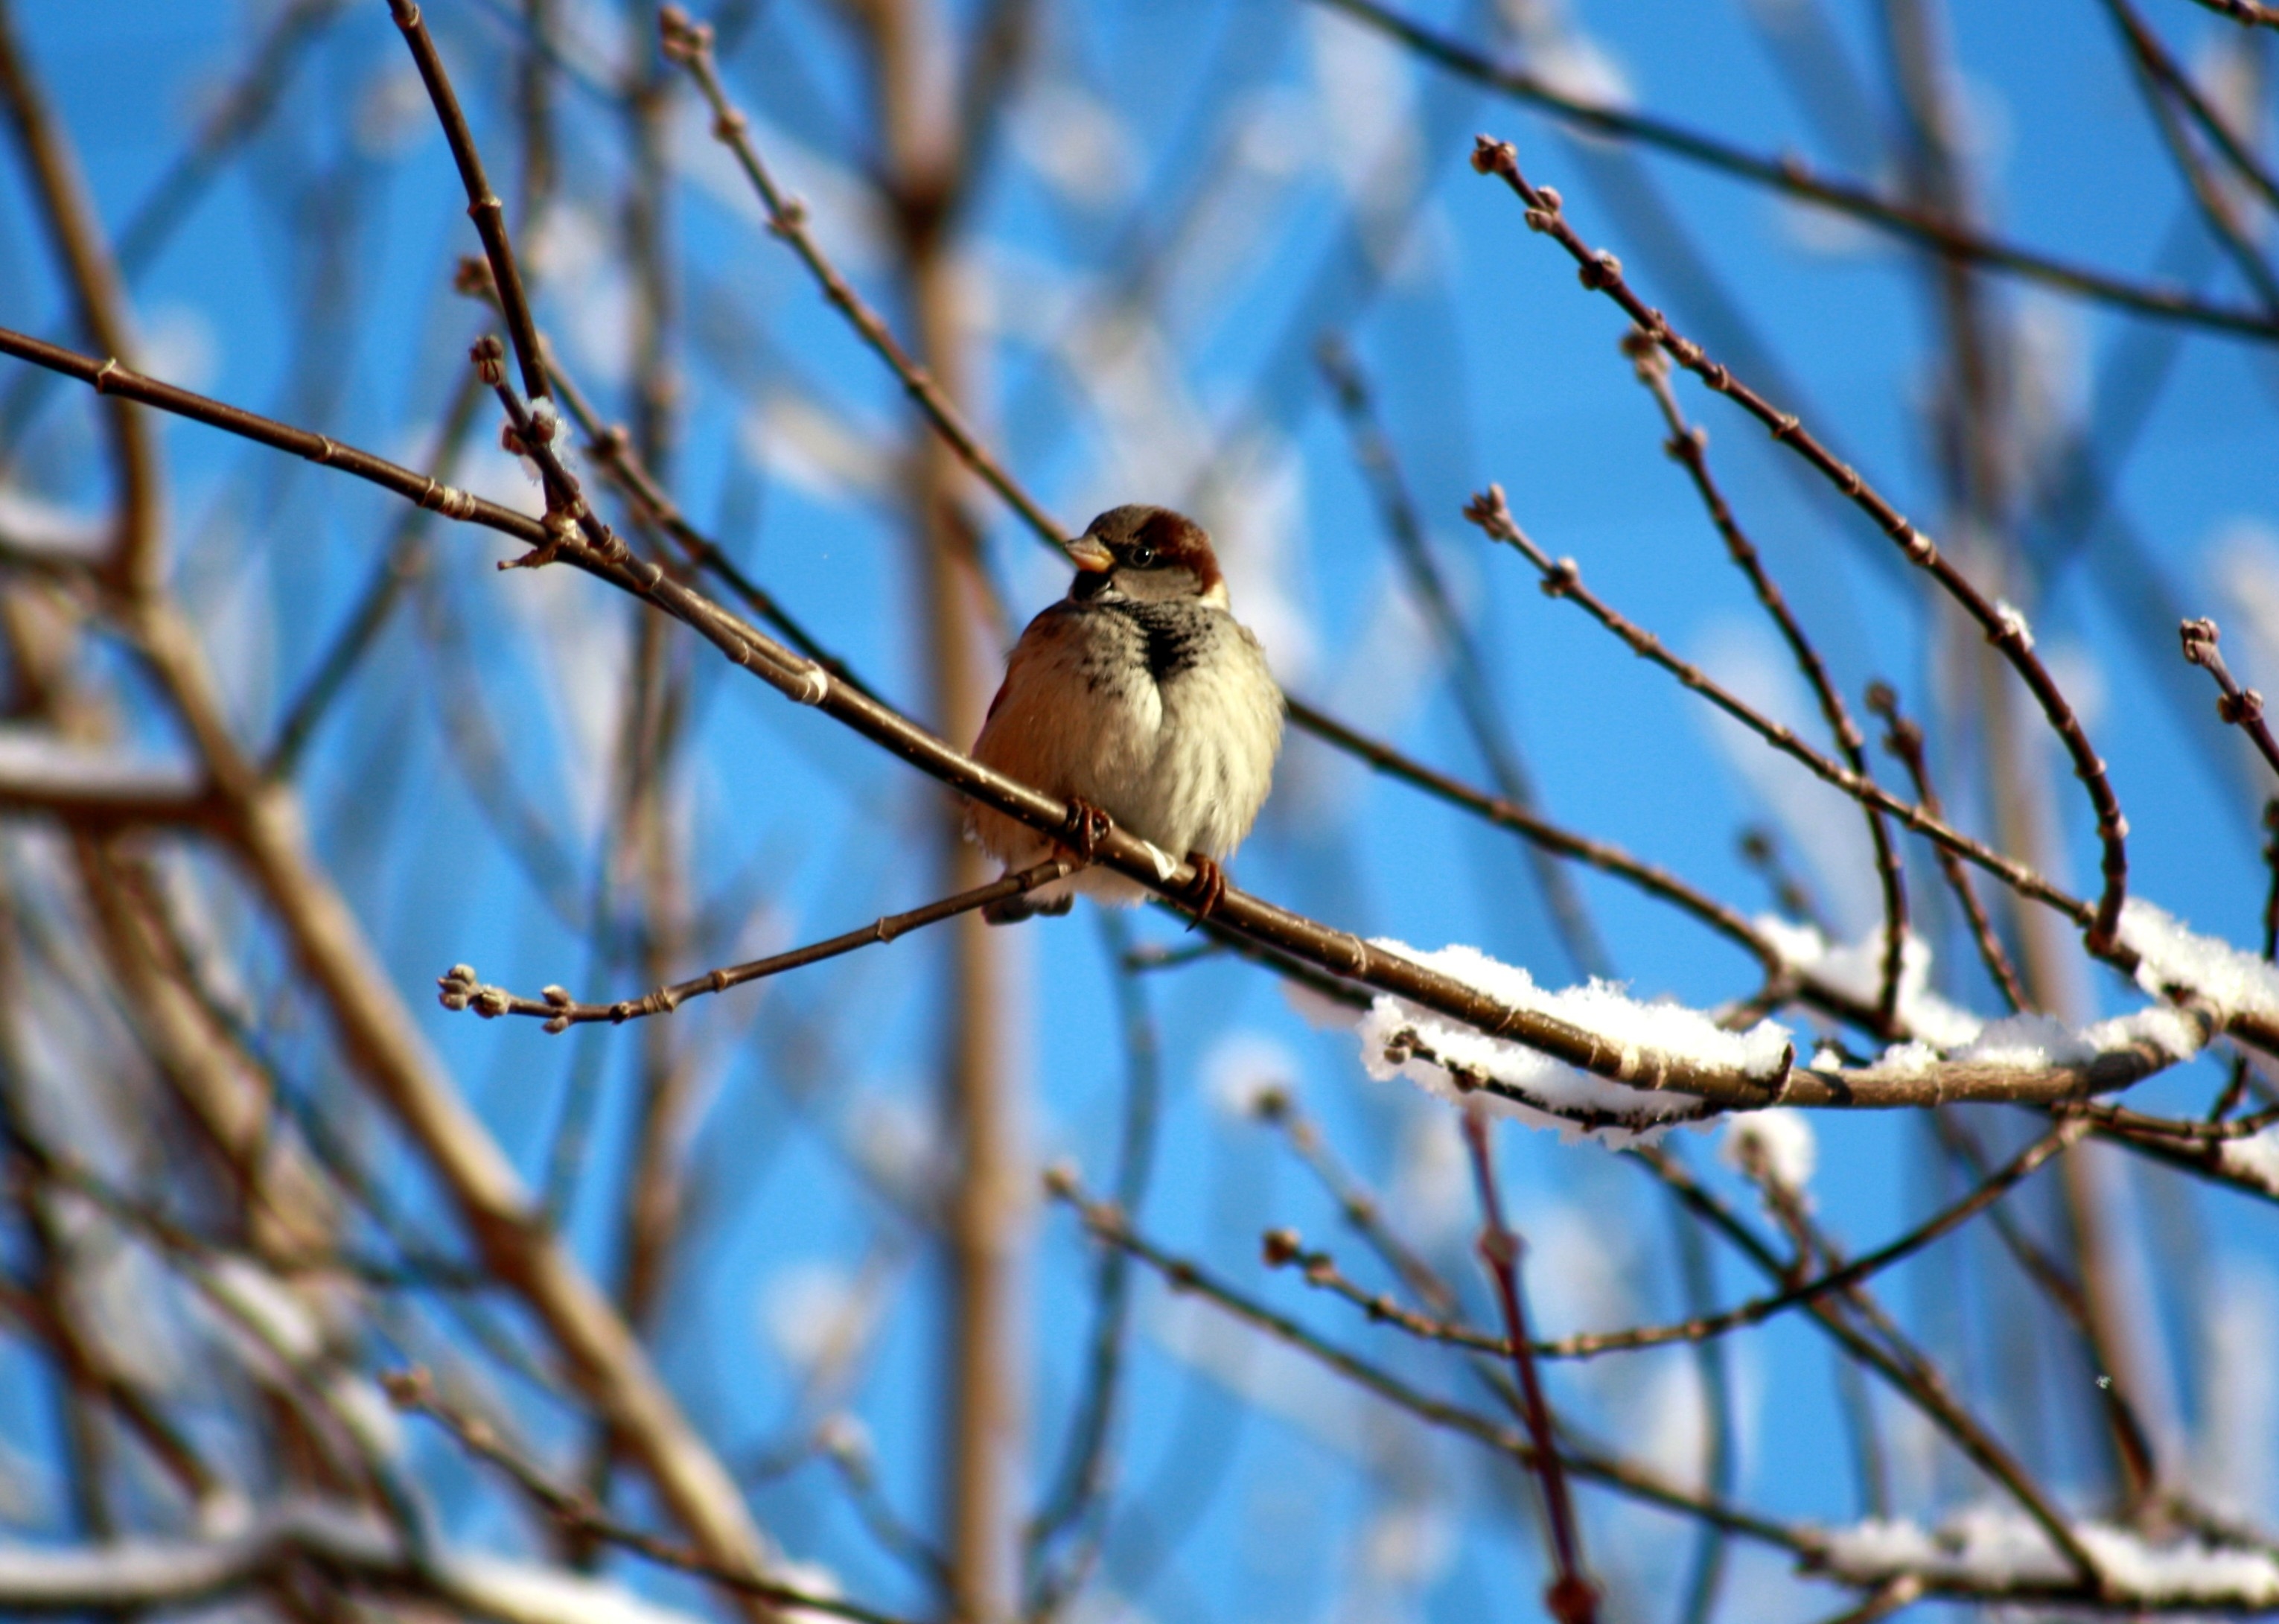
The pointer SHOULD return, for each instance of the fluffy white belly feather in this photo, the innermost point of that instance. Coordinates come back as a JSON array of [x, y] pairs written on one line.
[[1183, 759]]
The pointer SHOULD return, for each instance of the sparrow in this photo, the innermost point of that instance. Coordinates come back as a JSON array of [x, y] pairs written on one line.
[[1140, 696]]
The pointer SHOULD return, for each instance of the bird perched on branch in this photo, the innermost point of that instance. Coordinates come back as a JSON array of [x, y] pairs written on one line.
[[1137, 697]]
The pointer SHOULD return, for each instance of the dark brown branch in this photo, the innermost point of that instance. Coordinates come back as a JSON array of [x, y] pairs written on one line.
[[1903, 738], [2002, 625], [2241, 707], [483, 204], [560, 1012], [1571, 1598], [1790, 175], [1688, 445]]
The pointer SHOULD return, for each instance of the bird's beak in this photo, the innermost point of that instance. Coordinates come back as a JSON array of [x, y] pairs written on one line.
[[1090, 557]]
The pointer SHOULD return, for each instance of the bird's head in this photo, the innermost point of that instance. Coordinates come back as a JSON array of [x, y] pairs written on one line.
[[1138, 551]]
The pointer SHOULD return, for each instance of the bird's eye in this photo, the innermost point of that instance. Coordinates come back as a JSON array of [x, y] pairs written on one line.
[[1142, 556]]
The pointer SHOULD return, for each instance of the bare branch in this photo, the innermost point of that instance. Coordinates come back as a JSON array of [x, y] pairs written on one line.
[[1904, 739], [483, 204], [2003, 626], [2241, 707], [1792, 176], [1571, 1598], [1689, 445], [560, 1012]]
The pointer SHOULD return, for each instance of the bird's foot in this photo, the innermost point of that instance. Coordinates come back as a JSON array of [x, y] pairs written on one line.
[[1086, 827], [1207, 888], [1023, 906]]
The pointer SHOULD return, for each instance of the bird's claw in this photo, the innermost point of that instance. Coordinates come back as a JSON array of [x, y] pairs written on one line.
[[1205, 892], [1086, 827]]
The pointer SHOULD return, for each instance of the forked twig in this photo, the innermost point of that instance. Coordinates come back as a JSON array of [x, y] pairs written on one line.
[[1689, 445], [2003, 625], [1903, 738], [1562, 578]]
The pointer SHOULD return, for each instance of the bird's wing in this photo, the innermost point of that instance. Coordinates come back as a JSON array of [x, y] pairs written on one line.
[[1041, 633]]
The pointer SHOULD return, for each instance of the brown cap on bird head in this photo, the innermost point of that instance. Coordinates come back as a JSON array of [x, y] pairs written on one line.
[[1139, 536]]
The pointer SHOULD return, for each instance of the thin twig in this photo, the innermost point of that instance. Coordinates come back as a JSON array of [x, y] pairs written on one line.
[[2218, 213], [1320, 1270], [1792, 175], [1563, 578], [1903, 738], [1357, 1205], [1689, 445], [1571, 1598], [690, 43], [2241, 707], [2003, 625], [560, 1012], [483, 204], [2248, 13]]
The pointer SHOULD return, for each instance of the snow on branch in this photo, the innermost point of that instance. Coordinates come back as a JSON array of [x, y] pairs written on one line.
[[1989, 1550], [1448, 1058], [2229, 980], [1946, 1052]]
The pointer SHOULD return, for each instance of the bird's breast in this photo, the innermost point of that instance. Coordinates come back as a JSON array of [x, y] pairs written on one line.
[[1163, 713]]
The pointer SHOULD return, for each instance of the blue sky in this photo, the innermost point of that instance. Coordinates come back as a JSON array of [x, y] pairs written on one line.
[[1492, 363]]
